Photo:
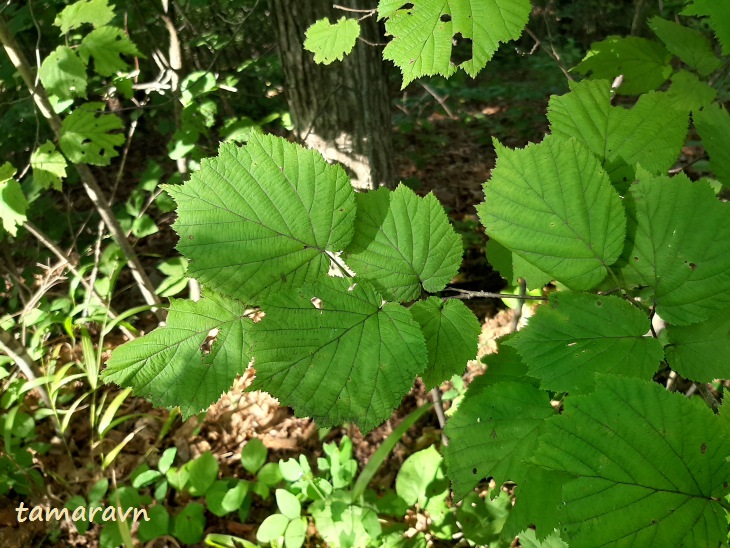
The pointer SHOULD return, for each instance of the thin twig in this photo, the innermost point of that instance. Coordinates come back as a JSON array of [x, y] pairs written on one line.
[[438, 407], [369, 12], [464, 294], [520, 303], [709, 397], [441, 100], [26, 364], [552, 54]]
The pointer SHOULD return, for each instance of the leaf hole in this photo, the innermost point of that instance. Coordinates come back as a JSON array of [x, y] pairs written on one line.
[[474, 471], [692, 266], [462, 50], [445, 18]]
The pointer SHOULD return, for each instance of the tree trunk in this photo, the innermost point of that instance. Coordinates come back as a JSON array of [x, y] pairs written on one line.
[[343, 109]]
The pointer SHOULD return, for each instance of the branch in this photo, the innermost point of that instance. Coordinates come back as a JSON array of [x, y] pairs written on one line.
[[87, 177], [464, 294]]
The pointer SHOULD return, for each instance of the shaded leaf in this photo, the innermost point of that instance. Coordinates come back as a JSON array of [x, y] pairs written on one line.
[[713, 125], [644, 64], [678, 246], [577, 335], [690, 45], [13, 203], [552, 204], [649, 467], [452, 337], [350, 360], [63, 74], [718, 14], [651, 133], [700, 351], [403, 243]]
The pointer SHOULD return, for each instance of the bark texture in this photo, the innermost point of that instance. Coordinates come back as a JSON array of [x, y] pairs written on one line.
[[343, 109]]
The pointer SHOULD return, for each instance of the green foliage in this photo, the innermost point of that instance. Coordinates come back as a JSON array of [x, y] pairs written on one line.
[[13, 203], [105, 46], [170, 367], [295, 347], [331, 42], [526, 197], [63, 74], [96, 12], [403, 243], [718, 19], [87, 138], [423, 33], [644, 65], [265, 197], [690, 45], [713, 124], [49, 166]]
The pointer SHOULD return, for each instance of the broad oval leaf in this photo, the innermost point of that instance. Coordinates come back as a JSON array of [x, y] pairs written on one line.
[[577, 335], [424, 33], [678, 246], [334, 351], [649, 467], [190, 361], [331, 42], [63, 74], [700, 352], [452, 337], [718, 19], [690, 45], [403, 243], [651, 133], [262, 217], [713, 124], [495, 427], [644, 64], [552, 204]]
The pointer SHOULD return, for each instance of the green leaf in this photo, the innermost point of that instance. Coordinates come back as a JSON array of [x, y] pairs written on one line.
[[512, 267], [96, 12], [341, 523], [528, 539], [651, 133], [85, 137], [678, 246], [713, 125], [552, 204], [421, 477], [644, 64], [253, 455], [188, 526], [577, 335], [719, 18], [700, 352], [649, 467], [157, 526], [403, 243], [225, 496], [424, 33], [13, 203], [203, 471], [482, 519], [262, 218], [63, 74], [296, 533], [288, 504], [452, 337], [335, 352], [175, 364], [272, 528], [493, 431], [689, 93], [106, 45], [331, 42], [49, 166], [690, 45]]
